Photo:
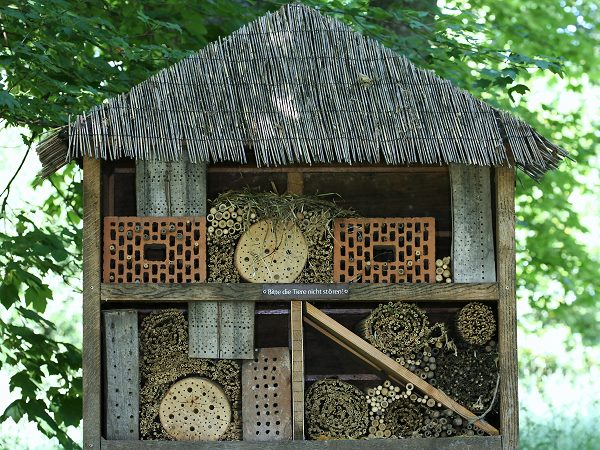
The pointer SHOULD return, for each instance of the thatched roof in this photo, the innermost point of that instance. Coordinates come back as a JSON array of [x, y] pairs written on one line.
[[300, 87]]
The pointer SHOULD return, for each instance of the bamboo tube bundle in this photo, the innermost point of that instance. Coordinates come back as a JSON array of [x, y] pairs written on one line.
[[165, 360], [443, 270], [476, 323], [470, 376], [336, 410], [402, 331]]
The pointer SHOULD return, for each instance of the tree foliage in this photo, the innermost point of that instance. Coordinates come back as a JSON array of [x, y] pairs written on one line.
[[62, 57]]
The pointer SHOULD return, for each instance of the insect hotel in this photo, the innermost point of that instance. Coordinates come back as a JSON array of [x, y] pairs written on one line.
[[295, 238]]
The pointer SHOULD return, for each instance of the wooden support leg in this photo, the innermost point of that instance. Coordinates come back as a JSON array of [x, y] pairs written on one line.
[[507, 306], [297, 351], [92, 373]]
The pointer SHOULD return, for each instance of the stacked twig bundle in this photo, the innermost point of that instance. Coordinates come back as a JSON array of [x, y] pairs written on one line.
[[443, 270], [336, 410], [165, 360], [232, 213], [476, 324], [470, 376], [402, 331]]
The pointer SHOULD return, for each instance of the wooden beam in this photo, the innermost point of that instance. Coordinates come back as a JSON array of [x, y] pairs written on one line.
[[451, 443], [249, 292], [297, 352], [507, 306], [386, 364], [328, 169], [92, 371]]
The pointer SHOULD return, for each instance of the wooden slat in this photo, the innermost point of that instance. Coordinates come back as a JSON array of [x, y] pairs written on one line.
[[452, 443], [203, 325], [267, 395], [297, 352], [236, 330], [136, 292], [92, 373], [507, 308], [394, 370], [472, 228], [374, 168], [121, 351]]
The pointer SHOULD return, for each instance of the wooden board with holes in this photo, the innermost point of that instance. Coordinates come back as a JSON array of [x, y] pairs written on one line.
[[122, 382], [266, 396], [472, 227]]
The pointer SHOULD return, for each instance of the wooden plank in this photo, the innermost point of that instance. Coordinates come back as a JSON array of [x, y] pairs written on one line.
[[297, 352], [267, 395], [121, 349], [236, 331], [203, 326], [472, 228], [374, 168], [393, 369], [295, 183], [507, 307], [92, 371], [452, 443], [249, 292]]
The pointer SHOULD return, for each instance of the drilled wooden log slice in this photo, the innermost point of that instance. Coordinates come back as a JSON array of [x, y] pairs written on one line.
[[195, 409], [271, 252]]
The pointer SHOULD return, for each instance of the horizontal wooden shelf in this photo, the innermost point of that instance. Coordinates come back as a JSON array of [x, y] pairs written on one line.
[[452, 443], [149, 292]]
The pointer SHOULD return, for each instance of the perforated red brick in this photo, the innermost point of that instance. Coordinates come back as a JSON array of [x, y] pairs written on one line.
[[154, 249], [377, 250]]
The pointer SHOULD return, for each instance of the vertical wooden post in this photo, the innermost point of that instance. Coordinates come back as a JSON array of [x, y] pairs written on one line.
[[295, 185], [297, 350], [507, 307], [92, 372]]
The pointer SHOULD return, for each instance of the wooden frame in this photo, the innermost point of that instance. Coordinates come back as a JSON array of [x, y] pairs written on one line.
[[504, 292]]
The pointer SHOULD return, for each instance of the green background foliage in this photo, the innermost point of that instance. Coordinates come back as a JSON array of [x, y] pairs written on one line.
[[60, 58]]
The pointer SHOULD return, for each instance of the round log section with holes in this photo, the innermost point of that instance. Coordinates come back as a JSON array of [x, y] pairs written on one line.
[[165, 365], [336, 410], [271, 252], [476, 324], [195, 409]]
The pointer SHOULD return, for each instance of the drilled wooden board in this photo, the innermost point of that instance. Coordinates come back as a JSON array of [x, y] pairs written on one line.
[[271, 253], [236, 328], [266, 395], [178, 244], [195, 409], [384, 250], [122, 374], [170, 188], [203, 325], [221, 330], [472, 228]]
